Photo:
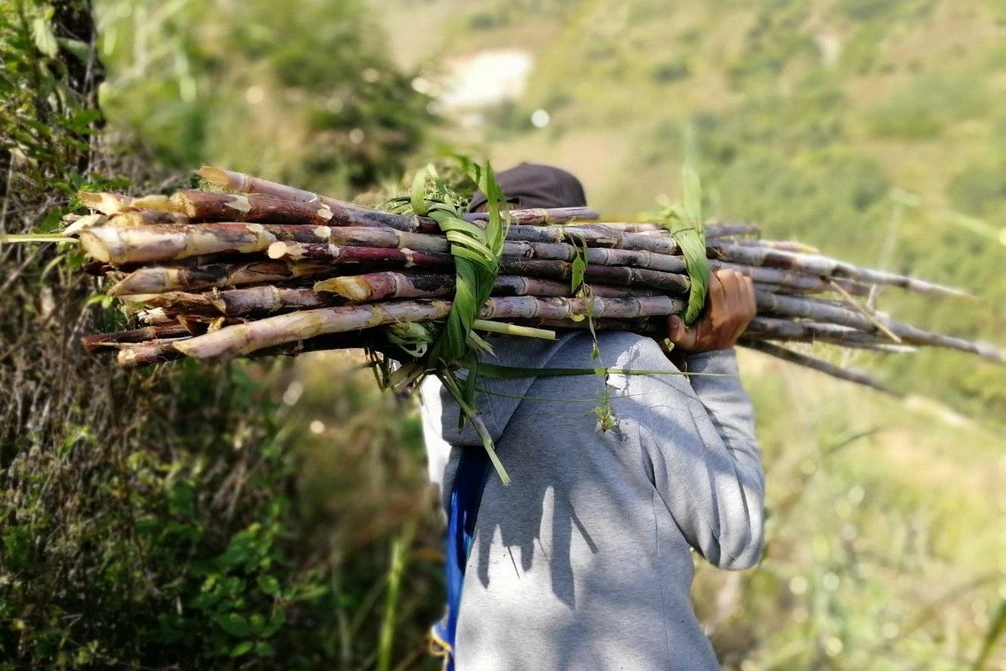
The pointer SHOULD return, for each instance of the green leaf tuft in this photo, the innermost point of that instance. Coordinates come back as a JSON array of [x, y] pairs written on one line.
[[686, 227]]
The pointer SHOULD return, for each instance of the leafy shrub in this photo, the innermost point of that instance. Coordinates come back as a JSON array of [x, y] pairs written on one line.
[[671, 70], [773, 43], [878, 10], [980, 190]]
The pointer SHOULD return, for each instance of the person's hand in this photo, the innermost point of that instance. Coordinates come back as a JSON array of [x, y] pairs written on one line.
[[730, 307]]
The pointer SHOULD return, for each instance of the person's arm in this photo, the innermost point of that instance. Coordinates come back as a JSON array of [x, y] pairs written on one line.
[[705, 459]]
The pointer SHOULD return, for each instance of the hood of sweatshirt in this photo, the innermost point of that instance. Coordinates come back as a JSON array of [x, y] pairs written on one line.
[[496, 405]]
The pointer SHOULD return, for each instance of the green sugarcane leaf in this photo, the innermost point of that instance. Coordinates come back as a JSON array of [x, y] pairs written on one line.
[[685, 225], [476, 252], [450, 223], [693, 248], [457, 251], [452, 386], [579, 264], [993, 637], [692, 195], [418, 192], [471, 363]]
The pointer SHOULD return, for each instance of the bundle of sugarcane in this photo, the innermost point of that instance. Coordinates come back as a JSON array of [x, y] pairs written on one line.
[[268, 269]]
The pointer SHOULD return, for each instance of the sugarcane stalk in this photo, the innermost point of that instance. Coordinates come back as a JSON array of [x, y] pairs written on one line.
[[208, 207], [868, 312], [769, 328], [609, 275], [272, 331], [145, 244], [240, 302], [337, 254], [785, 280], [782, 245], [712, 230], [112, 203], [158, 279], [147, 354], [818, 365], [595, 235], [242, 339], [808, 308], [731, 230], [106, 340], [813, 264], [79, 223], [409, 284], [559, 251], [540, 216], [133, 356], [237, 181]]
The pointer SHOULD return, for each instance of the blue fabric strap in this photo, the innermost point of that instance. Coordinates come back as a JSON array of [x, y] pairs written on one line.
[[466, 495]]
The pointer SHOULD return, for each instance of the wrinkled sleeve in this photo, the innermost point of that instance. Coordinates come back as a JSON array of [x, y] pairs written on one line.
[[697, 436]]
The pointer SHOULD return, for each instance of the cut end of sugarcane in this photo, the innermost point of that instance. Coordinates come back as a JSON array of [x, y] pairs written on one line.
[[137, 298], [216, 176], [148, 280], [80, 223], [350, 288], [278, 250], [989, 352], [94, 246], [157, 203], [102, 201], [183, 204]]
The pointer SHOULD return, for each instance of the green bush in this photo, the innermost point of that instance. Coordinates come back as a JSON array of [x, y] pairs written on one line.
[[980, 190], [671, 70]]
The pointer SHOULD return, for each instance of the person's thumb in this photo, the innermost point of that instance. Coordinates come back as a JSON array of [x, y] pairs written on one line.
[[677, 333]]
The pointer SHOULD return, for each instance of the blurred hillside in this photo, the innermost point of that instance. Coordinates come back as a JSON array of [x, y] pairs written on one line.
[[868, 128]]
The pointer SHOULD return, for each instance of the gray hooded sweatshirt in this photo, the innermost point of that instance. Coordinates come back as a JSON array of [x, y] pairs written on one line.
[[585, 560]]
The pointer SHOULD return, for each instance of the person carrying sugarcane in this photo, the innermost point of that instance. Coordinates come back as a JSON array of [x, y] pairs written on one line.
[[584, 561]]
